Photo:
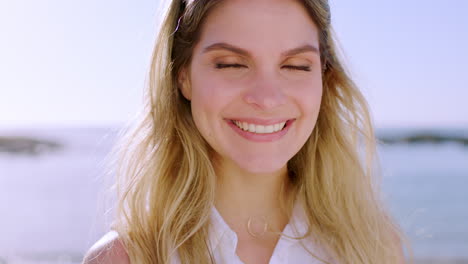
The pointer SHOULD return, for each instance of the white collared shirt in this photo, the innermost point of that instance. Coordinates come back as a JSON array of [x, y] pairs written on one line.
[[223, 242]]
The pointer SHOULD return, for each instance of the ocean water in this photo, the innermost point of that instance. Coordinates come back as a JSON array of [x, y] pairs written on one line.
[[426, 187], [49, 203], [50, 211]]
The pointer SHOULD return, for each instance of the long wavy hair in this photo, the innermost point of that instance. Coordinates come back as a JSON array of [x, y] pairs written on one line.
[[166, 180]]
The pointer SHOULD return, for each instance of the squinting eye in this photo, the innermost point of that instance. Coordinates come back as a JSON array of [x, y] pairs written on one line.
[[293, 67], [224, 66]]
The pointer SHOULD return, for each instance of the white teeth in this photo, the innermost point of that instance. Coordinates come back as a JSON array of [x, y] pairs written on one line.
[[259, 129], [252, 128], [276, 127]]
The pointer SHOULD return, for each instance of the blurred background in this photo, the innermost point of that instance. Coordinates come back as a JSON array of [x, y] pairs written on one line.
[[72, 75]]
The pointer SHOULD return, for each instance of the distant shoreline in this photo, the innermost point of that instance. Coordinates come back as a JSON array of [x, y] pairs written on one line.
[[433, 138], [30, 144], [27, 145]]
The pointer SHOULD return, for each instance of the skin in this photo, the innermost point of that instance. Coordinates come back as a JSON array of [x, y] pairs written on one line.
[[265, 68], [108, 249]]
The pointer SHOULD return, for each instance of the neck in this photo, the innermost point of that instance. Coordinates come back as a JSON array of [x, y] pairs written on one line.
[[240, 195]]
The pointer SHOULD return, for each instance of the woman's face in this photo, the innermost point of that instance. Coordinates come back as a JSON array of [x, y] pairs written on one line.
[[255, 82]]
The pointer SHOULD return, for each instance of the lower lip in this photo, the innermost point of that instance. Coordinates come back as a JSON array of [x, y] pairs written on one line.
[[261, 137]]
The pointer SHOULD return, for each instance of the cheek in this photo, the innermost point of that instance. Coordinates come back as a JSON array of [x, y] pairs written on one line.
[[309, 96], [210, 96], [315, 99]]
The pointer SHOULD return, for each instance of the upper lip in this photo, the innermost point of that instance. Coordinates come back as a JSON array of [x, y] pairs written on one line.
[[260, 121]]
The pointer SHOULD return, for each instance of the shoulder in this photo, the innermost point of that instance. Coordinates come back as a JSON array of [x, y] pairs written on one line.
[[108, 249]]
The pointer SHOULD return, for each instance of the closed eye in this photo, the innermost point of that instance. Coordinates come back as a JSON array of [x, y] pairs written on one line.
[[237, 66], [224, 66], [294, 67]]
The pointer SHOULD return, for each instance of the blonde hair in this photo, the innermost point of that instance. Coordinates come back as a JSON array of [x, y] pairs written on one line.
[[166, 181]]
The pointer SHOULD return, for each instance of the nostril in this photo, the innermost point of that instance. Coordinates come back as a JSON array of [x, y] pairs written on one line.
[[265, 101]]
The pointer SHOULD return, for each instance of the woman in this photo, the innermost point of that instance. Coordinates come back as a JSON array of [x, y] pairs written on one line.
[[248, 150]]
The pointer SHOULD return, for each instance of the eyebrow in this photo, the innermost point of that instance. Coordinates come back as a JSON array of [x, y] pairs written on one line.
[[224, 46]]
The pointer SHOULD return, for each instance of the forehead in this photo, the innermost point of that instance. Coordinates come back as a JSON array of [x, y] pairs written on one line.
[[259, 24]]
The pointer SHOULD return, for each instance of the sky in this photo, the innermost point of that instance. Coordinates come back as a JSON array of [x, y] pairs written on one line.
[[84, 63]]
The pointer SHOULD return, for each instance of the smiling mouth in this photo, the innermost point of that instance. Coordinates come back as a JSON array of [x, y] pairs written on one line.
[[260, 129]]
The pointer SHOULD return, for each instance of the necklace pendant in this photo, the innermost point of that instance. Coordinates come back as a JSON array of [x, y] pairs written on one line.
[[254, 222]]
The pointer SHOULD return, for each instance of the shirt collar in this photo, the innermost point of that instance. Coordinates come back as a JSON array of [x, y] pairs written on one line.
[[219, 230], [297, 225]]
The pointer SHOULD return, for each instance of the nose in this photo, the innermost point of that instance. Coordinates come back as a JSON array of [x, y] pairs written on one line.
[[265, 92]]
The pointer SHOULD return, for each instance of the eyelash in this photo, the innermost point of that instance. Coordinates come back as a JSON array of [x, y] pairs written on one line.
[[237, 66]]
